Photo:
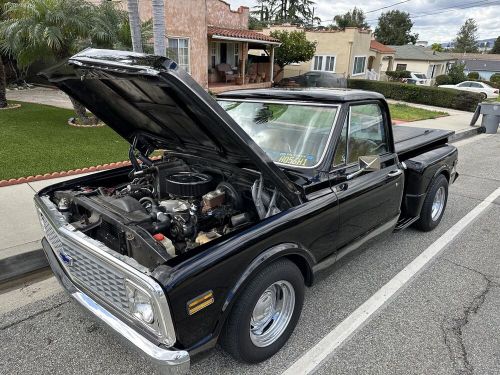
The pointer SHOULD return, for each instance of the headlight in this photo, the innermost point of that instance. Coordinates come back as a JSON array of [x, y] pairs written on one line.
[[140, 303]]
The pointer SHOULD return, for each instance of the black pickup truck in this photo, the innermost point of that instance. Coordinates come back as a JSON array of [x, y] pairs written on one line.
[[231, 205]]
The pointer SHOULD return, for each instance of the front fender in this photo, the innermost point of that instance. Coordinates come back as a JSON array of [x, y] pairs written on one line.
[[267, 257]]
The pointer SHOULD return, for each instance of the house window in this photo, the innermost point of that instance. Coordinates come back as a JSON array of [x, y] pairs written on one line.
[[323, 62], [178, 50], [400, 67], [359, 65]]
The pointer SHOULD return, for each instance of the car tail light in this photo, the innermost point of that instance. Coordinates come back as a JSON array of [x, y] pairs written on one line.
[[495, 91]]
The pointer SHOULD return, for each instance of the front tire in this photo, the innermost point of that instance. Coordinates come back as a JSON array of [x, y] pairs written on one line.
[[265, 314], [434, 205]]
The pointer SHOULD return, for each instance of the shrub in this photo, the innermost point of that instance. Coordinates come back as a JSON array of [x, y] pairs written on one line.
[[495, 78], [473, 75], [397, 75], [457, 73], [443, 79], [441, 97]]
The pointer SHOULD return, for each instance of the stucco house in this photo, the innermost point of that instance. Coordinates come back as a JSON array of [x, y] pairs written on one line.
[[485, 64], [351, 52], [419, 59], [211, 41]]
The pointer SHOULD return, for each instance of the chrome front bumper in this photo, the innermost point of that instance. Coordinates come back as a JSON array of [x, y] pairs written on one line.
[[168, 361]]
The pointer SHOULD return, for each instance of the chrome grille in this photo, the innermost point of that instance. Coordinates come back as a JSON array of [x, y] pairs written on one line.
[[89, 271], [97, 277], [98, 270]]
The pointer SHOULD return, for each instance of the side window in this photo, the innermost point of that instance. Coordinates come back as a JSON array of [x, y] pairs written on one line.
[[367, 134], [465, 84]]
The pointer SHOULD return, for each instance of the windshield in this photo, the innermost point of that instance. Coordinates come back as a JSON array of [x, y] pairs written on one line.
[[291, 134], [420, 76]]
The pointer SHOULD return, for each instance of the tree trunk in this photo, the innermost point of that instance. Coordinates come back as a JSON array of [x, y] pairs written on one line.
[[159, 34], [81, 113], [135, 24], [3, 99]]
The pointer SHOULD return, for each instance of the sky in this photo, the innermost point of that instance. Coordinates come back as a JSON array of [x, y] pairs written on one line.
[[433, 20]]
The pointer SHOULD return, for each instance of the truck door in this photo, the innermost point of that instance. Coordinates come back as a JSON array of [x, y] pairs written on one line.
[[370, 199]]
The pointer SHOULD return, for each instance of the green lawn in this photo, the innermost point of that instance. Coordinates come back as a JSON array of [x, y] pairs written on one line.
[[405, 112], [36, 139]]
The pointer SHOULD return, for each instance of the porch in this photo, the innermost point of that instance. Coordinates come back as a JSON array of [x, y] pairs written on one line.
[[239, 59]]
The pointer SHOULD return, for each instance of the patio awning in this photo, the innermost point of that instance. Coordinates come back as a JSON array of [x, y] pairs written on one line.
[[240, 35]]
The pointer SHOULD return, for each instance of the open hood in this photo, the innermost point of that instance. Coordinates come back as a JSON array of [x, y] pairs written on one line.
[[148, 98]]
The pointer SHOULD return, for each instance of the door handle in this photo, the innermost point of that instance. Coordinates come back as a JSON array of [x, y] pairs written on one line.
[[341, 187], [394, 173]]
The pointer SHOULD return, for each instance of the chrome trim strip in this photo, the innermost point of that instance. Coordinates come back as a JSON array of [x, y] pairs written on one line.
[[71, 237]]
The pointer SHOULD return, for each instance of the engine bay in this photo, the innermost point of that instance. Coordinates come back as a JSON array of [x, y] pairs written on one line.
[[162, 210]]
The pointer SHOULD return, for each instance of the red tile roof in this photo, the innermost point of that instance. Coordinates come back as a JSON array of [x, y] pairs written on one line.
[[379, 47], [240, 34]]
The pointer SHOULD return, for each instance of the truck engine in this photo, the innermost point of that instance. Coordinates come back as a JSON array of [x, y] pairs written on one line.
[[165, 210]]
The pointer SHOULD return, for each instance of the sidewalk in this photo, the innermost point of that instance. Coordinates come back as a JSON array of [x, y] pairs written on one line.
[[457, 121], [20, 249], [41, 95]]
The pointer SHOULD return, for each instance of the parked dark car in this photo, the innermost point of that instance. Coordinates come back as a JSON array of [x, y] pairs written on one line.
[[315, 79], [255, 192]]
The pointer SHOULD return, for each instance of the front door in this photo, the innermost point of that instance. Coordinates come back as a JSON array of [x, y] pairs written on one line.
[[223, 53], [371, 199]]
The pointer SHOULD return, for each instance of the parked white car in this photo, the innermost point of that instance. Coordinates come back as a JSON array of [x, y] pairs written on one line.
[[484, 89], [419, 79]]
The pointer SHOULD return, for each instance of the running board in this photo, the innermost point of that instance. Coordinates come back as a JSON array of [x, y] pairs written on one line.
[[405, 222]]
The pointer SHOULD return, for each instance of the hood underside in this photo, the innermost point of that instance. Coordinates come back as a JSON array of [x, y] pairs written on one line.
[[148, 99]]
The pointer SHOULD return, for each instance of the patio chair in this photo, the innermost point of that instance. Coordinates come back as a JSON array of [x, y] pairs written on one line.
[[226, 72]]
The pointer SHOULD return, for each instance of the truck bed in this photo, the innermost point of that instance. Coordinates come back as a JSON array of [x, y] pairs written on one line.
[[409, 141]]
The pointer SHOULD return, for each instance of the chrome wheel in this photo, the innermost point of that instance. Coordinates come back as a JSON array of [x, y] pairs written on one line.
[[438, 203], [272, 313]]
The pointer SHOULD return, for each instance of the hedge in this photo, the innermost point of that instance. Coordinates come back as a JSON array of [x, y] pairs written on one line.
[[440, 97], [443, 79]]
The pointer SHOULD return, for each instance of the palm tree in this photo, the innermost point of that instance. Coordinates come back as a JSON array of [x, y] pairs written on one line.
[[135, 24], [53, 30], [159, 34], [3, 98], [3, 84]]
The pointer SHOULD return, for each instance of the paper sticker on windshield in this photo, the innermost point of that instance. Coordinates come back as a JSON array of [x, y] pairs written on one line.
[[295, 159]]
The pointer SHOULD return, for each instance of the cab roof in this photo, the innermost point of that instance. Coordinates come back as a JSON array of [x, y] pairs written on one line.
[[321, 95]]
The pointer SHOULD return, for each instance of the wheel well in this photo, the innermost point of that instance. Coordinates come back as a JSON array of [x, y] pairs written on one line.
[[446, 174], [303, 266]]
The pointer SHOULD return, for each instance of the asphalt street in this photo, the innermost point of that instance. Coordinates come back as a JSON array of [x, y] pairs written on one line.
[[446, 320]]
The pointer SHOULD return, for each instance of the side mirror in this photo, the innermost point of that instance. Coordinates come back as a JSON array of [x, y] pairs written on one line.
[[366, 164]]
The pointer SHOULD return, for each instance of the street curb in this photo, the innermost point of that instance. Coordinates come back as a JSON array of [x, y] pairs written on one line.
[[72, 172], [19, 265], [466, 134]]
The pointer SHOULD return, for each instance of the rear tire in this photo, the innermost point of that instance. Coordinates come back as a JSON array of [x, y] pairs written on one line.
[[434, 205], [265, 314], [484, 96]]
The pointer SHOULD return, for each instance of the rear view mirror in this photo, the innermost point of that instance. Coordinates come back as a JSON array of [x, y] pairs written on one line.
[[367, 163]]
